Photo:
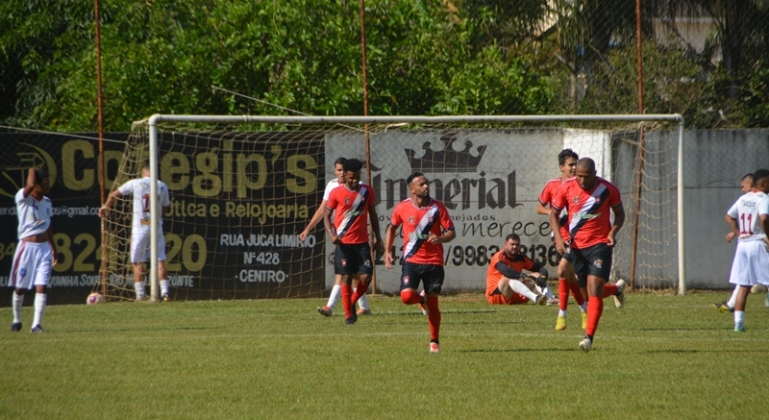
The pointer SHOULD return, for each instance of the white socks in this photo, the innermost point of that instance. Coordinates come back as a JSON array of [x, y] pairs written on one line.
[[17, 302], [40, 299], [164, 287], [739, 317], [732, 302], [333, 299], [139, 286], [521, 289], [562, 312], [363, 302]]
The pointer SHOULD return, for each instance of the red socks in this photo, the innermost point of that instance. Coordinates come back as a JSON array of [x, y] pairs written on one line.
[[346, 300], [594, 311], [609, 290], [434, 316], [563, 294], [410, 297], [359, 291], [577, 293]]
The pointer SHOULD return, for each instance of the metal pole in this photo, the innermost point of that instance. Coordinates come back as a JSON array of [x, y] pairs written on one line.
[[100, 123], [641, 144], [365, 114], [154, 219], [680, 221]]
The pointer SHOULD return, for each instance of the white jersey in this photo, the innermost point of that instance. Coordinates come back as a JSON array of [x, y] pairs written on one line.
[[747, 210], [333, 184], [34, 216], [140, 189]]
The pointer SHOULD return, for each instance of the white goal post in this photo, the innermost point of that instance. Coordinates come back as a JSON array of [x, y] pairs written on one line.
[[383, 122]]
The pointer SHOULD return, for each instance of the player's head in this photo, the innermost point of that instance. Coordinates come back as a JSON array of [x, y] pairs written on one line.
[[42, 181], [586, 173], [567, 162], [339, 169], [761, 180], [512, 245], [146, 169], [418, 185], [351, 168], [746, 183]]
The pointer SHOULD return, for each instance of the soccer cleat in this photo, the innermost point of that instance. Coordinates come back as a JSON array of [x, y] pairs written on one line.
[[758, 289], [325, 311], [560, 323], [142, 298], [362, 311], [723, 307], [166, 298], [586, 344], [16, 327], [351, 320], [434, 347], [584, 320], [553, 301], [541, 300], [739, 327], [619, 298], [37, 329], [423, 306]]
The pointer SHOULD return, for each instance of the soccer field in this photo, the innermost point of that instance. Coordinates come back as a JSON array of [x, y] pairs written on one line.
[[661, 356]]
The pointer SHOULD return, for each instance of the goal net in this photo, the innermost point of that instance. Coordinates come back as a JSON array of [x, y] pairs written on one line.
[[243, 188]]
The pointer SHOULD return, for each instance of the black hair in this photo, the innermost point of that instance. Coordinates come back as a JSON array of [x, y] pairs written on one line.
[[352, 165], [40, 175], [412, 176], [565, 154], [759, 175], [340, 161], [513, 236]]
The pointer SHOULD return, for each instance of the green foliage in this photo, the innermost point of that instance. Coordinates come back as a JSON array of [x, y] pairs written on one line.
[[165, 56], [661, 357]]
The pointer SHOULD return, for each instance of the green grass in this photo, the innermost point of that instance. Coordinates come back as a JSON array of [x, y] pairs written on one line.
[[660, 357]]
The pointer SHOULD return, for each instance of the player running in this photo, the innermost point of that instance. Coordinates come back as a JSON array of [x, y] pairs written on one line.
[[328, 309], [141, 232], [351, 203], [567, 164], [588, 199], [426, 226], [748, 218], [36, 253]]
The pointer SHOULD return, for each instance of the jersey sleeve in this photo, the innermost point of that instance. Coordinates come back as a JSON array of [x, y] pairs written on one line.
[[127, 188], [615, 200], [763, 206], [165, 200], [445, 219], [733, 211], [396, 218], [332, 201], [329, 187], [546, 196], [558, 200]]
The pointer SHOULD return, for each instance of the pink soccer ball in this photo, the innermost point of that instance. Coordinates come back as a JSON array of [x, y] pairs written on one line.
[[94, 298]]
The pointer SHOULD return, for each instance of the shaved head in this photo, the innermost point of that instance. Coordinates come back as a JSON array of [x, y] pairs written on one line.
[[586, 164]]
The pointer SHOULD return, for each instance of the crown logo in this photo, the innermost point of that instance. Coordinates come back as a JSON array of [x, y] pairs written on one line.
[[448, 159]]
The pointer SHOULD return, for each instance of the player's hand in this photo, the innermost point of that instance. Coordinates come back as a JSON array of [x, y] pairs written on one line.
[[611, 242], [334, 239], [560, 246], [766, 242], [55, 260], [103, 211], [434, 239], [303, 235], [388, 259], [730, 236]]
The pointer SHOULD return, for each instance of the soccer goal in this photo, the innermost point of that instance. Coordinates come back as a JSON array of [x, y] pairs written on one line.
[[243, 187]]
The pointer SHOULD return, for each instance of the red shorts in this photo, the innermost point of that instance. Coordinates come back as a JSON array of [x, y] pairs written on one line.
[[499, 299]]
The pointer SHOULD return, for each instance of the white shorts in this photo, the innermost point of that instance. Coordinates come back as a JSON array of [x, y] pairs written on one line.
[[32, 264], [750, 265], [140, 247]]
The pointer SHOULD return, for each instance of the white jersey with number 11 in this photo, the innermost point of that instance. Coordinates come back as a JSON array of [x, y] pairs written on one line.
[[747, 210], [140, 189]]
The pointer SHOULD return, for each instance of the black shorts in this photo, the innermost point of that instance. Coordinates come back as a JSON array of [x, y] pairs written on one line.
[[353, 259], [430, 274], [594, 261]]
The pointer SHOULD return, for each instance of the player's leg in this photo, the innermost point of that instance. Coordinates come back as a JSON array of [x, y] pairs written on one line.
[[162, 272], [42, 275], [410, 278], [739, 275], [510, 287], [597, 261], [345, 264], [365, 269], [364, 308], [565, 275], [20, 280], [140, 252], [333, 298], [739, 308], [432, 278]]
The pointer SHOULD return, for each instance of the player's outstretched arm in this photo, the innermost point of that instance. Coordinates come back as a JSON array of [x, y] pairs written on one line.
[[389, 240], [316, 218], [31, 182], [104, 210]]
